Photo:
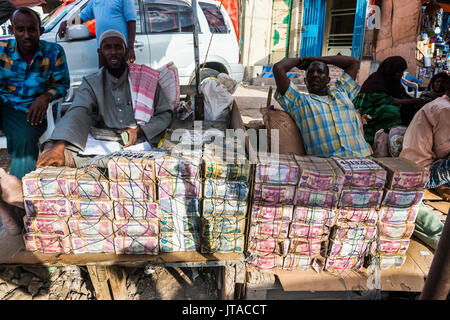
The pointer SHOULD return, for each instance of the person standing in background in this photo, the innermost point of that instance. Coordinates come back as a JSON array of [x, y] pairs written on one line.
[[119, 15]]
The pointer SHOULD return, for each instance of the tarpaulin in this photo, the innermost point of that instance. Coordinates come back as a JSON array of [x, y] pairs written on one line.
[[233, 11]]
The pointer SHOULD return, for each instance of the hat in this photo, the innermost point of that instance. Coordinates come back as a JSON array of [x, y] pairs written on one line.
[[111, 33]]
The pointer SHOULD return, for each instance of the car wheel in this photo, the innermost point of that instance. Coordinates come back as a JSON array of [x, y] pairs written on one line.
[[206, 73]]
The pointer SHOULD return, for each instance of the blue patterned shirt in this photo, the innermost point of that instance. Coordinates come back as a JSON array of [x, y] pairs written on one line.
[[329, 124], [48, 72]]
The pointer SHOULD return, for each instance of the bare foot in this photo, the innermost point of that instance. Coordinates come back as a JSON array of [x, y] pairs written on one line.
[[444, 192], [11, 189]]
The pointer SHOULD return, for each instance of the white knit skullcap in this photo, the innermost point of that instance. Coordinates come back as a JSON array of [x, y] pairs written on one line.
[[111, 33]]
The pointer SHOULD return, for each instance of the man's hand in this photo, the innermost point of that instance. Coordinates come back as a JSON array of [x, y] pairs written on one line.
[[53, 156], [131, 56], [133, 135], [303, 63], [62, 29], [36, 113]]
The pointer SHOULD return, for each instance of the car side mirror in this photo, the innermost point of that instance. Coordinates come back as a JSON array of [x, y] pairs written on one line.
[[77, 32]]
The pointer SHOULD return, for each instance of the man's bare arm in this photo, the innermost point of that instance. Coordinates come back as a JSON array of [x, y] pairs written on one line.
[[279, 71]]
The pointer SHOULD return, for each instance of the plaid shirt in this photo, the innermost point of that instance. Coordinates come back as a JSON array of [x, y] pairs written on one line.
[[48, 72], [329, 124]]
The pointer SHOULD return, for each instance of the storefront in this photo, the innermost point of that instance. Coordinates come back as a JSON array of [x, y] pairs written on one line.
[[433, 52]]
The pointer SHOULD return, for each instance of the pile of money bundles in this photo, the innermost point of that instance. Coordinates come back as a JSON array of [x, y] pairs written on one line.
[[48, 196], [355, 228], [180, 192], [226, 188], [404, 192]]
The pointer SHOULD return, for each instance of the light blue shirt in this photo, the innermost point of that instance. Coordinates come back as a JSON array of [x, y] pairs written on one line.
[[109, 14]]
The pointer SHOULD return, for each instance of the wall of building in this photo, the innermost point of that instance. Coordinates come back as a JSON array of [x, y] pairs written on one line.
[[398, 33], [255, 36]]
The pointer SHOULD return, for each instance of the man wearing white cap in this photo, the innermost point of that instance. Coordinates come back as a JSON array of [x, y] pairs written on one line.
[[120, 96]]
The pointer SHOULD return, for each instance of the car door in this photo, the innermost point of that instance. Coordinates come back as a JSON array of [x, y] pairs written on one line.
[[170, 27], [141, 45]]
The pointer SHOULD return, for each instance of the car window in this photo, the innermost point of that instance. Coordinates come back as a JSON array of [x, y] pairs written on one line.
[[170, 18], [214, 17], [56, 16]]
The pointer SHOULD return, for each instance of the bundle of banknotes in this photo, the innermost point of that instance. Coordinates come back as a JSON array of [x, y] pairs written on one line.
[[361, 173], [46, 225], [92, 209], [174, 241], [97, 244], [133, 190], [90, 184], [277, 169], [126, 169], [224, 208], [47, 182], [187, 165], [91, 228], [50, 243], [322, 174], [138, 210], [224, 243], [136, 245]]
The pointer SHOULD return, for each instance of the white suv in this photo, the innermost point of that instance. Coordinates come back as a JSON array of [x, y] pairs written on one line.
[[163, 34]]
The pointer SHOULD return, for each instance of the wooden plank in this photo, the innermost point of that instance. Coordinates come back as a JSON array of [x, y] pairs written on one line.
[[229, 283], [442, 206], [430, 195], [99, 279], [118, 282], [421, 255]]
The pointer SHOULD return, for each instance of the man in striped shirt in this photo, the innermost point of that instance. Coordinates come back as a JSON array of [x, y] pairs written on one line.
[[327, 119], [33, 73]]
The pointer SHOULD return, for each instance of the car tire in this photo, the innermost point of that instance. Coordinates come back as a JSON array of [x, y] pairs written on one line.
[[206, 73]]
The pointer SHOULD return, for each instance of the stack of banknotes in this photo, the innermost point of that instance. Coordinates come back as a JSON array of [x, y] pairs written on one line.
[[180, 192], [48, 208], [404, 191], [355, 228], [226, 190]]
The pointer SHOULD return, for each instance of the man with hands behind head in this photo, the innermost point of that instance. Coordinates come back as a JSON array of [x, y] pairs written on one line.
[[327, 119]]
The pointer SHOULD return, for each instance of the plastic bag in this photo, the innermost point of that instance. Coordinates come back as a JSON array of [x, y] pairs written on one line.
[[217, 100]]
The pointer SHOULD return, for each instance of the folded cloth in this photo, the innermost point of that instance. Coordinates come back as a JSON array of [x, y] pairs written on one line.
[[169, 83], [428, 226], [143, 83]]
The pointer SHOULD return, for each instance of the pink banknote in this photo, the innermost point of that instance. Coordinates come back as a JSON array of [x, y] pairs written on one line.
[[133, 191], [270, 228], [135, 210], [89, 187], [57, 226], [306, 246], [283, 170], [391, 261], [91, 227], [393, 247], [267, 261], [47, 207], [336, 263], [46, 243], [321, 174], [266, 245], [362, 173], [136, 228], [136, 245], [125, 169], [44, 186], [357, 215], [93, 245], [308, 231], [178, 167], [314, 215], [266, 211], [271, 193], [398, 215]]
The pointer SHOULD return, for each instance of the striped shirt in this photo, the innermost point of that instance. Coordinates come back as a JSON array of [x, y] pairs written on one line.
[[21, 84], [329, 124]]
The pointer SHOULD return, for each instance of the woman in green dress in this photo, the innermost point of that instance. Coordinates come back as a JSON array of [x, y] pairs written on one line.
[[384, 99]]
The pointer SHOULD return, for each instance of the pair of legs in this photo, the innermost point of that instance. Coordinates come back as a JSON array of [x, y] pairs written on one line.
[[11, 203], [22, 139]]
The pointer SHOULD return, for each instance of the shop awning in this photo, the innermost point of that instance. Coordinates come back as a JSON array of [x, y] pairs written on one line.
[[27, 3]]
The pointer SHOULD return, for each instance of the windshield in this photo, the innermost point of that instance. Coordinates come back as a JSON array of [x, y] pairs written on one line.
[[57, 15]]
